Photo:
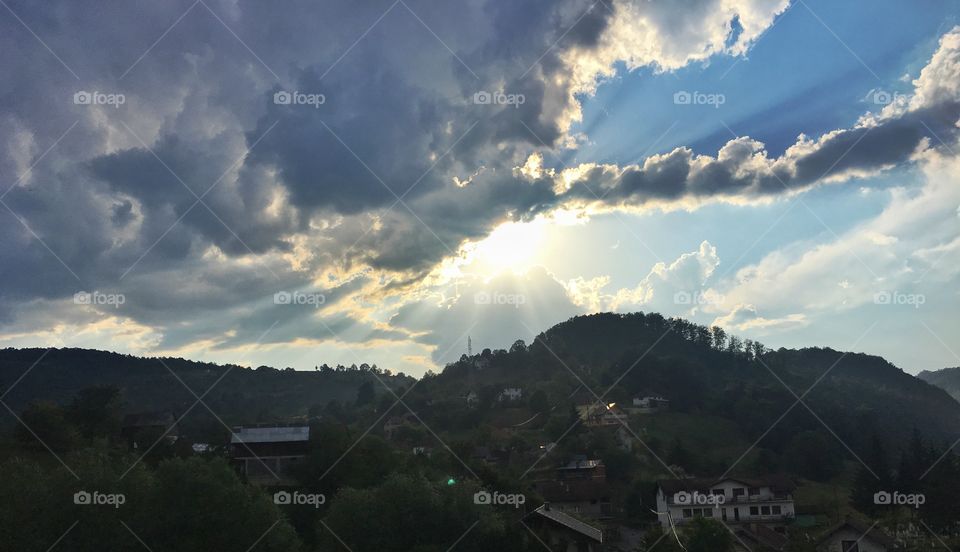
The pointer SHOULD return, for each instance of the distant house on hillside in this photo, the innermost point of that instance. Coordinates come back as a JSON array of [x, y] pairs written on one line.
[[267, 455], [563, 532], [855, 536], [578, 487], [393, 425], [472, 398], [510, 394], [765, 500], [649, 405], [144, 429], [597, 414]]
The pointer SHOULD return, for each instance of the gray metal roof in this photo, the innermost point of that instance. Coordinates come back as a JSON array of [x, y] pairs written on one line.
[[275, 434], [570, 522]]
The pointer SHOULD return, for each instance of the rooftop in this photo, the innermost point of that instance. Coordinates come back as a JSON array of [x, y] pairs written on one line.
[[569, 522], [776, 482], [270, 434]]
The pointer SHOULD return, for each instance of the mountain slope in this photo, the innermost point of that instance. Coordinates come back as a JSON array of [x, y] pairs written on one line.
[[947, 379], [711, 377], [236, 394]]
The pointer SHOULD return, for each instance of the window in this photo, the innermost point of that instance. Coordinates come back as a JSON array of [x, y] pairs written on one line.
[[687, 513], [740, 491], [716, 492], [765, 510], [707, 512], [849, 546], [777, 510], [754, 511]]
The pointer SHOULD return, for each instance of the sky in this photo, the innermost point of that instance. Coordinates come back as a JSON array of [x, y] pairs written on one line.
[[375, 182]]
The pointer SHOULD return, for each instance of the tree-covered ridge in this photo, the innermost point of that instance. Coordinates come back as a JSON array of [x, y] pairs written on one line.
[[237, 394]]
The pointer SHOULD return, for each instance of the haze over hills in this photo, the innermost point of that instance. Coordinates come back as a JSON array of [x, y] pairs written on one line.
[[947, 379], [712, 380]]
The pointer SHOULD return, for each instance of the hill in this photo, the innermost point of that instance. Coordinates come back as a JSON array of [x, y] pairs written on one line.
[[725, 393], [237, 395], [947, 379]]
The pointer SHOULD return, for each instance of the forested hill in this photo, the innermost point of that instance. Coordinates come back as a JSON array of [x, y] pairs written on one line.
[[947, 379], [710, 376], [242, 395]]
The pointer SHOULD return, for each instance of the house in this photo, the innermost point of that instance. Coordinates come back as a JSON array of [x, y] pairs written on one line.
[[510, 394], [422, 451], [578, 487], [393, 425], [853, 535], [563, 532], [764, 500], [598, 414], [493, 457], [268, 455], [587, 498], [650, 404], [147, 428], [472, 398], [580, 467]]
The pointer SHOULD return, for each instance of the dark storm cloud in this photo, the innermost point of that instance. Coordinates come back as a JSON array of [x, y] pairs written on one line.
[[114, 204]]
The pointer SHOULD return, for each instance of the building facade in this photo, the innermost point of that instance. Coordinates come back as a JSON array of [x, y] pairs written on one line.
[[765, 500]]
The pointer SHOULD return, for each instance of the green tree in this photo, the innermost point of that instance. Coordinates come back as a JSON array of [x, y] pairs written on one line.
[[43, 425], [365, 393], [707, 535], [96, 411]]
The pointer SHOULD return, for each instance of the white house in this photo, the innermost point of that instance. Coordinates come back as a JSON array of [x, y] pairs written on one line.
[[510, 394], [767, 500], [650, 404]]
